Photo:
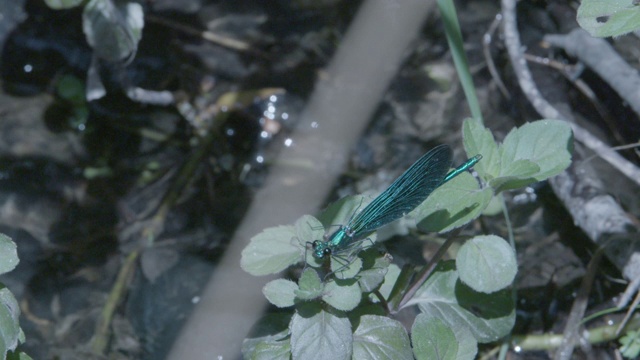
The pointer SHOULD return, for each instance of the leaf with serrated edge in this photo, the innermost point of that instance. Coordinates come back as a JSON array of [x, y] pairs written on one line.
[[310, 285], [433, 339], [343, 295], [271, 251], [280, 292], [488, 316], [379, 337], [321, 336]]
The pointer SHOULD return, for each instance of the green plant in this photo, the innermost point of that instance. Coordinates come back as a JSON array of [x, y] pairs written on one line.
[[609, 18], [341, 312], [10, 332]]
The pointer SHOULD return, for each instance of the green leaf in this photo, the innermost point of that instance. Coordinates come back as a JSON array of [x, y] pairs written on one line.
[[63, 4], [9, 326], [630, 342], [343, 295], [389, 281], [431, 334], [371, 278], [379, 337], [486, 263], [433, 339], [345, 271], [280, 292], [8, 254], [270, 328], [452, 205], [339, 212], [534, 152], [604, 18], [113, 31], [308, 229], [310, 285], [271, 251], [479, 140], [272, 350], [320, 336], [488, 316]]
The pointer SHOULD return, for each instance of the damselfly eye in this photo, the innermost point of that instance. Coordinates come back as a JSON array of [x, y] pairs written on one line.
[[315, 244], [326, 252]]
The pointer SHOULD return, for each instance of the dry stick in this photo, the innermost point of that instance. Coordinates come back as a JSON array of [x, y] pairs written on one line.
[[594, 211], [426, 271], [600, 56]]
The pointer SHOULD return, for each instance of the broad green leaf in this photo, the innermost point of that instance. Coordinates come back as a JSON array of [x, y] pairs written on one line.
[[8, 254], [433, 339], [431, 334], [604, 18], [343, 295], [272, 350], [113, 30], [379, 337], [308, 229], [280, 292], [63, 4], [271, 251], [546, 144], [320, 336], [389, 281], [371, 278], [339, 212], [488, 316], [270, 328], [479, 140], [452, 205], [486, 263], [310, 285], [345, 268], [9, 326], [630, 342]]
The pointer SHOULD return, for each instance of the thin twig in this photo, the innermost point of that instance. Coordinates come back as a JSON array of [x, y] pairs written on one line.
[[426, 270], [487, 39]]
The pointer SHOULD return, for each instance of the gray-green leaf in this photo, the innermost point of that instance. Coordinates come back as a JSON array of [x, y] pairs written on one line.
[[453, 204], [8, 254], [343, 295], [310, 285], [604, 18], [271, 251], [488, 316], [486, 263], [10, 331], [321, 336], [280, 292], [379, 337], [433, 339]]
